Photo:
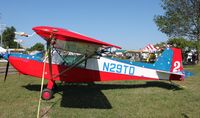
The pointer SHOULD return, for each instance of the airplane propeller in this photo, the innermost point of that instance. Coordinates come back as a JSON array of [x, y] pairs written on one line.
[[6, 56], [7, 67]]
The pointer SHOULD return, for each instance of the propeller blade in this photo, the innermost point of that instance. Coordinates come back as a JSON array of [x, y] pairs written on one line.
[[6, 56], [7, 67]]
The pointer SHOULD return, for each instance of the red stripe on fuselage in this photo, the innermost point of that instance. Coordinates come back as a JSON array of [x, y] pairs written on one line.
[[34, 68]]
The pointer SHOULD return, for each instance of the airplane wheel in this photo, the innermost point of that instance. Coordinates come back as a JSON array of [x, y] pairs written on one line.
[[47, 94]]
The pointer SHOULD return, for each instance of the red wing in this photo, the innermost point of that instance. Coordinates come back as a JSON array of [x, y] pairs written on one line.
[[66, 35]]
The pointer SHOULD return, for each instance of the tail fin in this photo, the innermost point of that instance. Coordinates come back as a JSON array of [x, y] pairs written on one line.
[[177, 61], [171, 61]]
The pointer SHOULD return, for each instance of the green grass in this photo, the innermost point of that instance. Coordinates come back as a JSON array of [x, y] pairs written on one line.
[[120, 99], [2, 64]]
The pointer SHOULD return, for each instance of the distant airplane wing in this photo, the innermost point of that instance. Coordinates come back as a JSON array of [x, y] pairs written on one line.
[[2, 50], [75, 41]]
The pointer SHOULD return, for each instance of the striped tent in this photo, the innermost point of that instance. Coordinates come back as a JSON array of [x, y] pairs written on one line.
[[149, 48]]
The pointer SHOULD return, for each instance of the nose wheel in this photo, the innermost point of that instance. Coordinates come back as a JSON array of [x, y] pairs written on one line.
[[47, 94]]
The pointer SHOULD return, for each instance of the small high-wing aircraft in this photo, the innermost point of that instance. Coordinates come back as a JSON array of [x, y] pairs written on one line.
[[73, 57]]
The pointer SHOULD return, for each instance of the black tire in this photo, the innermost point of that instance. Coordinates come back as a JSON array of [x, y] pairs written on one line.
[[47, 94]]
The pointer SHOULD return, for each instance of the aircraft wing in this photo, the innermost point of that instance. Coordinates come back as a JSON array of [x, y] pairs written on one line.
[[2, 50], [66, 39]]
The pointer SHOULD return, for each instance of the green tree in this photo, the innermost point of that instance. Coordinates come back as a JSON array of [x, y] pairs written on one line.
[[181, 43], [37, 46], [161, 44], [8, 37], [181, 18]]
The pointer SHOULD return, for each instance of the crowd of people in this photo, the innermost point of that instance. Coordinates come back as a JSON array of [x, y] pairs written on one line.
[[188, 56]]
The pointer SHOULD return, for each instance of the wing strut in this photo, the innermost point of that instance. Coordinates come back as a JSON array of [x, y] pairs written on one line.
[[50, 44], [49, 59]]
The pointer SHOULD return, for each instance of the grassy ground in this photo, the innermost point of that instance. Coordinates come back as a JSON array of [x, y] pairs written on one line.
[[2, 64], [127, 99]]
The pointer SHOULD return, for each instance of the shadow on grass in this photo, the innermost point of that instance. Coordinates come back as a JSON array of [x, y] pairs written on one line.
[[82, 95]]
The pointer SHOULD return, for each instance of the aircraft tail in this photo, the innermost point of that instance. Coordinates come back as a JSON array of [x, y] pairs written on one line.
[[177, 64], [170, 62]]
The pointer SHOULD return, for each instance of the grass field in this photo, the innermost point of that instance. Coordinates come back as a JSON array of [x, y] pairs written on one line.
[[2, 64], [120, 99]]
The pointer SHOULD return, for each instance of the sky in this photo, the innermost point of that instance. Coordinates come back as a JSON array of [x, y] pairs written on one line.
[[126, 23]]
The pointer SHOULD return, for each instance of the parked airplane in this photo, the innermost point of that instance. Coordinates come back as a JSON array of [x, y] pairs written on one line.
[[73, 57]]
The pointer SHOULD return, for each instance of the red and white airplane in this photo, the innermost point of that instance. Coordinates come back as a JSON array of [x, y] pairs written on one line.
[[73, 57]]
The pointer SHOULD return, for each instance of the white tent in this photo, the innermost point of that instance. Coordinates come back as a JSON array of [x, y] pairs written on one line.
[[2, 50]]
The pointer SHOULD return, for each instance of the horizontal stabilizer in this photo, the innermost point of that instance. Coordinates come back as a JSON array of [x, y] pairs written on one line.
[[188, 74], [174, 73]]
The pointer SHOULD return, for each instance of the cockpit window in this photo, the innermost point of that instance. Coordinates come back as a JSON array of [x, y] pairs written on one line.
[[67, 58]]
